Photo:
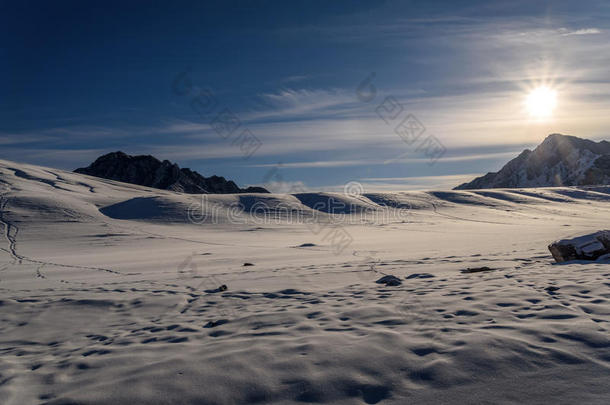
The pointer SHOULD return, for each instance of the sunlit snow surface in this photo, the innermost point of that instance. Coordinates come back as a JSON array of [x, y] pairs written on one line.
[[108, 294]]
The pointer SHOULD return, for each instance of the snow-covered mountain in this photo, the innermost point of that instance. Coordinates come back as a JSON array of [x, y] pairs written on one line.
[[560, 160], [146, 170]]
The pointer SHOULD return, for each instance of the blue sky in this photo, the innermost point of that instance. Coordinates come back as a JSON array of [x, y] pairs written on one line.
[[80, 79]]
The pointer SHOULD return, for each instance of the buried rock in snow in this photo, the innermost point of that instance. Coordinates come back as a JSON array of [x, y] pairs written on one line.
[[586, 247], [217, 290], [476, 269], [389, 281]]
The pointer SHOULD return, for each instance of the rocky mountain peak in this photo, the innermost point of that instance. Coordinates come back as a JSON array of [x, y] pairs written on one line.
[[560, 160], [146, 170]]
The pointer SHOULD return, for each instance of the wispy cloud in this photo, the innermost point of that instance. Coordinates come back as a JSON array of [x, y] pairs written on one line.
[[406, 157], [416, 183], [419, 178], [12, 139], [67, 159], [443, 182], [284, 187], [581, 31], [303, 103], [295, 78], [308, 165]]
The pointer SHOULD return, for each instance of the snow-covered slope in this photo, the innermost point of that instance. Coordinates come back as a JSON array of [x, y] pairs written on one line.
[[558, 161], [109, 294]]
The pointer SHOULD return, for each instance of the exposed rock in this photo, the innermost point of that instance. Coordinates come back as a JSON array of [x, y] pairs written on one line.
[[307, 245], [586, 247], [151, 172], [560, 160], [213, 324], [217, 290], [255, 189], [389, 281], [476, 269], [420, 275]]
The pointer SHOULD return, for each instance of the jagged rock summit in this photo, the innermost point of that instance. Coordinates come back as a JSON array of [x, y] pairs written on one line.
[[560, 160], [146, 170]]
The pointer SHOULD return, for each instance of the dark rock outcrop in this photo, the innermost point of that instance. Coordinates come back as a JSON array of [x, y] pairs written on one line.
[[389, 281], [146, 170], [560, 160], [586, 247]]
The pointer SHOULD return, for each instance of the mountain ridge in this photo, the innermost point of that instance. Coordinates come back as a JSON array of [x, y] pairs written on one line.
[[560, 160], [146, 170]]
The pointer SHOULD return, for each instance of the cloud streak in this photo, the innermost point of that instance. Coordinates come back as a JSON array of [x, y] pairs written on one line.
[[583, 31]]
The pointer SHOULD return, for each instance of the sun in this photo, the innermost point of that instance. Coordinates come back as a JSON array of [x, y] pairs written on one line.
[[541, 102]]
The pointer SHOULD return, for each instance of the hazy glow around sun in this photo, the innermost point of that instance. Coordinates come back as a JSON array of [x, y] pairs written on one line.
[[541, 102]]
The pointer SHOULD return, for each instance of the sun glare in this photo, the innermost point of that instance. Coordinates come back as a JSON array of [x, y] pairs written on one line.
[[541, 102]]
